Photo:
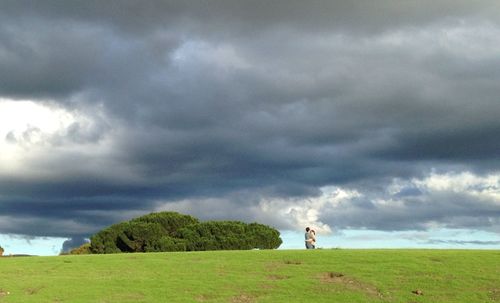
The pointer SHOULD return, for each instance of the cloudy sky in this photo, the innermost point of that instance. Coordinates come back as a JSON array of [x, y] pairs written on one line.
[[375, 122]]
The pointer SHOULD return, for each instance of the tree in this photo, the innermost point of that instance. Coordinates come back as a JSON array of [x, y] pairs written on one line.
[[170, 231], [1, 251], [146, 233]]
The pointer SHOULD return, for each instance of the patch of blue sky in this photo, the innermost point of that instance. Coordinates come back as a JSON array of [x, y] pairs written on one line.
[[22, 245], [358, 239], [433, 239]]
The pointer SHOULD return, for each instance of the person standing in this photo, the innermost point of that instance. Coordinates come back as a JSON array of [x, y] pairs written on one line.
[[309, 239]]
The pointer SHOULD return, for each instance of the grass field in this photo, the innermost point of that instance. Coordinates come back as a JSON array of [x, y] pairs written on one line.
[[256, 276]]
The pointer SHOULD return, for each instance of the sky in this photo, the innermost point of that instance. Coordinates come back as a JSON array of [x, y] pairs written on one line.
[[373, 122]]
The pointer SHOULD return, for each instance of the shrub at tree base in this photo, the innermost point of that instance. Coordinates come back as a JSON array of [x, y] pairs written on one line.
[[170, 231], [82, 250]]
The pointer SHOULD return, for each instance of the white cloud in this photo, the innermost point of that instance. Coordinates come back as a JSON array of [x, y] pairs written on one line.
[[434, 201], [301, 213], [33, 134], [465, 183], [24, 128]]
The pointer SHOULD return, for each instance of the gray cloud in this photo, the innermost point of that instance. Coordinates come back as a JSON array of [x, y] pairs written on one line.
[[73, 243], [222, 105], [445, 209], [313, 15], [461, 242]]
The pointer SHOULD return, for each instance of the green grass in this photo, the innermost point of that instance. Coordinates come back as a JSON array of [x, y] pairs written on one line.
[[256, 276]]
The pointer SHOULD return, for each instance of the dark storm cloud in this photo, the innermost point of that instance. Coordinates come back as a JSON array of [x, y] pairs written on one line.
[[71, 217], [256, 14], [72, 243], [58, 58], [221, 104]]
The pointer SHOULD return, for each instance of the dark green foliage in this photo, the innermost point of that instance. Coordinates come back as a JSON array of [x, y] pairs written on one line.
[[167, 243], [143, 234], [170, 221], [264, 237], [225, 235], [170, 231], [105, 241], [139, 236]]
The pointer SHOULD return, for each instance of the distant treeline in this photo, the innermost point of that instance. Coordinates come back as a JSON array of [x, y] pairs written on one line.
[[171, 231]]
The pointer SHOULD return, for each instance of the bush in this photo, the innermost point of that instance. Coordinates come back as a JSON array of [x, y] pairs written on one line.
[[170, 231], [82, 250]]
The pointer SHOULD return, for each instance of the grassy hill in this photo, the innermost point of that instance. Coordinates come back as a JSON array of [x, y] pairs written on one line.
[[256, 276]]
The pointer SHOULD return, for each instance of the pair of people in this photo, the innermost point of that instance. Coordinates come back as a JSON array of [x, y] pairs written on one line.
[[310, 237]]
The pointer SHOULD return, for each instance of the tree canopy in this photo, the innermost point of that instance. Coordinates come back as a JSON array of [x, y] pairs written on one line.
[[171, 231]]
